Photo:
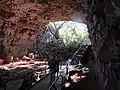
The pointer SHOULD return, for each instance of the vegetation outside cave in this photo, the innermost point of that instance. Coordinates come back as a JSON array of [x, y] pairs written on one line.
[[62, 38]]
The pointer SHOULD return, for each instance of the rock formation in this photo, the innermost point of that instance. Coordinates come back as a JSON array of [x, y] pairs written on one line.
[[21, 20], [103, 23]]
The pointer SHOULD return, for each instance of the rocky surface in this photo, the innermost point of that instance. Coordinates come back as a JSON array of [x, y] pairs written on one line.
[[21, 20], [14, 75], [103, 22]]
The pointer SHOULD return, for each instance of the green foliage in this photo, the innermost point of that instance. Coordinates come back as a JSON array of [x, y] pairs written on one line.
[[71, 33]]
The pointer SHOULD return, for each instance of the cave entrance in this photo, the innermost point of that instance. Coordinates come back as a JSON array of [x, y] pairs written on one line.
[[63, 38], [59, 41]]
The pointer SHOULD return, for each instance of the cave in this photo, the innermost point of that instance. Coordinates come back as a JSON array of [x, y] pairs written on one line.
[[100, 16]]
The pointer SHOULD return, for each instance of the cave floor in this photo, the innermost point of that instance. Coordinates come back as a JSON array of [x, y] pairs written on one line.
[[88, 83]]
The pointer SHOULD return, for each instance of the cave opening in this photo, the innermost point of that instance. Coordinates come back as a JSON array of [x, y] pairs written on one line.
[[69, 42], [66, 37]]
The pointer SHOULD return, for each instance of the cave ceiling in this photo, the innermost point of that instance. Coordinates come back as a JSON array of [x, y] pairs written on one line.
[[21, 20]]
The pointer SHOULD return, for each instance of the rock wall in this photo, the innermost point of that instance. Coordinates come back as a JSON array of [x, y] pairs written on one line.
[[102, 18], [21, 20]]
